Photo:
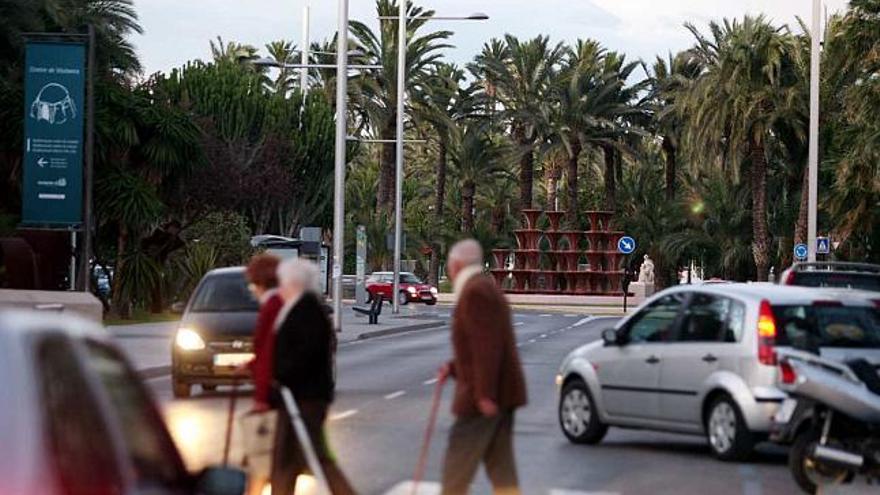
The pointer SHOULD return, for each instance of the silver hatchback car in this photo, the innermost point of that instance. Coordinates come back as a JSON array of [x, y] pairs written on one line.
[[702, 360]]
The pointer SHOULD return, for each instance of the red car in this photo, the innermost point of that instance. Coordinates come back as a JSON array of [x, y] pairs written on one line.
[[412, 289]]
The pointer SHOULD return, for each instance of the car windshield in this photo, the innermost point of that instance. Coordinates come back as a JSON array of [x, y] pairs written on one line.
[[844, 280], [829, 326], [224, 293], [409, 278]]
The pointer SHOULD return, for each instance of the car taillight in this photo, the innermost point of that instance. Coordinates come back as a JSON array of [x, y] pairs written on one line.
[[786, 373], [766, 335]]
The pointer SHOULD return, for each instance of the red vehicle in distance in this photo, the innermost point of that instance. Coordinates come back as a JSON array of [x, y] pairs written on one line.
[[412, 289]]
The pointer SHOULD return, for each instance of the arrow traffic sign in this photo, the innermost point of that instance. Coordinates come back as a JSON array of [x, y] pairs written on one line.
[[801, 252], [823, 245], [626, 245]]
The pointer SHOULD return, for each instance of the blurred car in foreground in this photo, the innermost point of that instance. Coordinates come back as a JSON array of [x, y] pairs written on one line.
[[75, 419], [842, 275], [412, 289], [702, 360], [216, 333]]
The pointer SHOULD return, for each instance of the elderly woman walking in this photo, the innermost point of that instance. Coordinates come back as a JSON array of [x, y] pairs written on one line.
[[304, 347]]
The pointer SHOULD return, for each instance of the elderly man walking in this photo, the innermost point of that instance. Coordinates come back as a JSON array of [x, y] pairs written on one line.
[[489, 378]]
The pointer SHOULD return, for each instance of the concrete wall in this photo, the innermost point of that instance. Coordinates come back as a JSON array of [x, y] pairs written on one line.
[[83, 304]]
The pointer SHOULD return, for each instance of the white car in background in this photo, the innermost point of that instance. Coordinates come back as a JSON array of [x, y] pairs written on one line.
[[702, 360]]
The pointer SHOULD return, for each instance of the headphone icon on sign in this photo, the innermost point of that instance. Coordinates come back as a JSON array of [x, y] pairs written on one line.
[[53, 104]]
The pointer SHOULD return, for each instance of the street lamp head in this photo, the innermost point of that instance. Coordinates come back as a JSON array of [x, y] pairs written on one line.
[[478, 16], [265, 62]]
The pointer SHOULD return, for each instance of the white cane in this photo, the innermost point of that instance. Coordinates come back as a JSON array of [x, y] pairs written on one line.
[[302, 434]]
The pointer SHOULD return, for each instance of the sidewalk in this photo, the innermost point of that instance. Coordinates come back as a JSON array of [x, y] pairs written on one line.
[[148, 345]]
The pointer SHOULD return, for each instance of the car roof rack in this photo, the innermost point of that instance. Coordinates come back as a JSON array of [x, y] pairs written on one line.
[[838, 266]]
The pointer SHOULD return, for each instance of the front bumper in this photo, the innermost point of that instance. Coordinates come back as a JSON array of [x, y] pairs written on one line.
[[219, 363], [424, 296]]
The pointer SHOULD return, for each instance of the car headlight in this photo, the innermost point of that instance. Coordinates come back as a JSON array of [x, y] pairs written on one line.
[[189, 340], [411, 290], [434, 290]]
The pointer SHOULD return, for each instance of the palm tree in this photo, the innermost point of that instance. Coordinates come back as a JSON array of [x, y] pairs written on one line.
[[476, 155], [746, 89], [519, 75], [285, 53], [669, 78], [376, 90], [442, 104]]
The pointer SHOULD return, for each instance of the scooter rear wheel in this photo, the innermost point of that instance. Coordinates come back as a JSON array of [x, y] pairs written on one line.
[[808, 472]]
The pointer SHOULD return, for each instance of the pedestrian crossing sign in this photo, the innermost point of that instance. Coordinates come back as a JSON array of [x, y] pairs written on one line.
[[823, 245]]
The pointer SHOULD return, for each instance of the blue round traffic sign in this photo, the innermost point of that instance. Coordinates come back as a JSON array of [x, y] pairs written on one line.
[[801, 251], [626, 245]]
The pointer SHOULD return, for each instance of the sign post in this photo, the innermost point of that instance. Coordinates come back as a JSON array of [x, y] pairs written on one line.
[[626, 246], [360, 290], [57, 158]]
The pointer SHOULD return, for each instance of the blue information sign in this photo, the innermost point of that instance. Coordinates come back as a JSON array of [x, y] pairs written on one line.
[[800, 252], [54, 114], [823, 245], [626, 245]]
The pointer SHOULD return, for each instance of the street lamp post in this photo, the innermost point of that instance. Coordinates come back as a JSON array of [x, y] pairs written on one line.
[[304, 52], [813, 193], [340, 161], [401, 100]]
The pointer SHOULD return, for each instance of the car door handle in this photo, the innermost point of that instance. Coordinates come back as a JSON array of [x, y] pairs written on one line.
[[652, 360], [709, 358]]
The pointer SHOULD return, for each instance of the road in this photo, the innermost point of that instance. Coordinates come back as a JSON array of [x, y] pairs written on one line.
[[384, 394]]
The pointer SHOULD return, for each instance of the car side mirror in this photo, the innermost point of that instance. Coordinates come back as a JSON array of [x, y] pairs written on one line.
[[220, 480], [178, 308], [609, 336]]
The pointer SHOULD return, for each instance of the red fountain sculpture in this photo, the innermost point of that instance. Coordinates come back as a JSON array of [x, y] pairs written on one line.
[[561, 273]]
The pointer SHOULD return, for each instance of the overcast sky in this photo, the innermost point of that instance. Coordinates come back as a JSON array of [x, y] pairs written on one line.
[[180, 30]]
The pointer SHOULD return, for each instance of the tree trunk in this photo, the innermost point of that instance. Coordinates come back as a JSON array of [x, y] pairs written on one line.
[[800, 227], [610, 179], [385, 191], [468, 190], [573, 206], [526, 176], [669, 151], [121, 307], [761, 240], [552, 178], [439, 202]]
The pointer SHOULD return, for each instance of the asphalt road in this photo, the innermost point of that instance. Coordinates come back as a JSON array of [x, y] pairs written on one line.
[[384, 394]]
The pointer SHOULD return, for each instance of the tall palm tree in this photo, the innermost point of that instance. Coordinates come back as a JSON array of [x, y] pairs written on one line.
[[442, 104], [746, 89], [669, 78], [285, 53], [376, 90], [476, 155], [520, 75]]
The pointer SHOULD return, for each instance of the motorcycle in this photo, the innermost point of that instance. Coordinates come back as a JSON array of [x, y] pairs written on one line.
[[831, 419]]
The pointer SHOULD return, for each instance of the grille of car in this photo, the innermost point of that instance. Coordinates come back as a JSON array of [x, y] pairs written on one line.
[[232, 346]]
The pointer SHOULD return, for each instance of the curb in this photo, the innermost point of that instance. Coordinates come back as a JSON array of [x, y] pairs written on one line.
[[399, 330], [154, 372]]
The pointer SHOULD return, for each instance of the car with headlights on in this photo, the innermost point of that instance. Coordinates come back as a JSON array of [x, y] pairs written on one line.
[[702, 360], [411, 288], [75, 419], [215, 337]]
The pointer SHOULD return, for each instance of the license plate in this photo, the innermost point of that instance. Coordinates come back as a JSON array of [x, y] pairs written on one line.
[[426, 297], [233, 360], [786, 410]]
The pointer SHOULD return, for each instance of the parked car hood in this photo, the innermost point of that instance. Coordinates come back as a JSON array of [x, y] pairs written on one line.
[[221, 325]]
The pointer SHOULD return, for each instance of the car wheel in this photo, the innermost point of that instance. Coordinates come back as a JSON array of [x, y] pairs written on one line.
[[402, 298], [209, 388], [729, 437], [181, 389], [807, 471], [578, 416]]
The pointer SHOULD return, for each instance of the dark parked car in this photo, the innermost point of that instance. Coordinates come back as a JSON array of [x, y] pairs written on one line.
[[76, 420], [835, 274], [215, 337]]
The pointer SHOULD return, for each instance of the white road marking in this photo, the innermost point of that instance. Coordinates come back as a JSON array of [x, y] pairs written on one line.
[[543, 335], [394, 395], [532, 341], [582, 321], [545, 315], [433, 488], [570, 316], [519, 323], [429, 382], [343, 415]]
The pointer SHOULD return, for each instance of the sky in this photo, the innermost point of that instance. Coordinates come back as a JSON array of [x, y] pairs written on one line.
[[176, 31]]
